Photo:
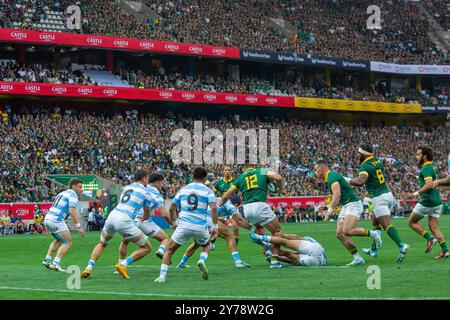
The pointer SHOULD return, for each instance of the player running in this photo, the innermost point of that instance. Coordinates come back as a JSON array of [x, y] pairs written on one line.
[[64, 205], [253, 184], [351, 211], [371, 175], [133, 198], [221, 186], [308, 252], [225, 212], [430, 203], [194, 200], [148, 227]]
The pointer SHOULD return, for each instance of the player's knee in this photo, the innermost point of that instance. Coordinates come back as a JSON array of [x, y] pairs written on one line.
[[340, 234]]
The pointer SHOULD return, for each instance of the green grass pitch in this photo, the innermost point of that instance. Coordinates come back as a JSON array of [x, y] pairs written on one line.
[[420, 277]]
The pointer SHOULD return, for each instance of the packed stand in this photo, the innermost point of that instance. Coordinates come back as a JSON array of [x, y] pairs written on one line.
[[42, 141], [41, 73], [440, 10], [324, 27]]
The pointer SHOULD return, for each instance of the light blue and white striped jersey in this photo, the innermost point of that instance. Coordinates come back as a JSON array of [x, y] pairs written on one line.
[[157, 201], [132, 199], [60, 207], [194, 200], [225, 211]]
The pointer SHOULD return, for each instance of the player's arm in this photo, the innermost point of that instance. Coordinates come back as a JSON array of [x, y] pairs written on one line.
[[360, 180], [146, 213], [215, 220], [277, 178], [173, 212], [241, 221], [74, 215], [427, 186], [166, 215], [336, 194], [227, 195], [441, 182]]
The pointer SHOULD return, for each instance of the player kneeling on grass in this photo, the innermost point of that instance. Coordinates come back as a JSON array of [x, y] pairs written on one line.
[[224, 213], [352, 208], [64, 204], [133, 198], [308, 252], [148, 227], [194, 200]]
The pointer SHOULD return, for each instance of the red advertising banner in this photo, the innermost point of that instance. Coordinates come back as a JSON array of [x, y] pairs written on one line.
[[94, 41], [24, 210], [296, 201], [79, 91]]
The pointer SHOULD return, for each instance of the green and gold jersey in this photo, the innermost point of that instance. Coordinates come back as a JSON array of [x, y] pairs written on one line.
[[431, 198], [253, 185], [376, 184], [347, 193], [223, 185]]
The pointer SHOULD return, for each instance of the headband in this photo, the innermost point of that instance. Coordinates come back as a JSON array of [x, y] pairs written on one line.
[[365, 152]]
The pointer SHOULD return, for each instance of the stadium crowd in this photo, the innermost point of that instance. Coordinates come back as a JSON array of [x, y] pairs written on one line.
[[322, 28], [440, 10], [46, 73], [39, 142], [41, 73]]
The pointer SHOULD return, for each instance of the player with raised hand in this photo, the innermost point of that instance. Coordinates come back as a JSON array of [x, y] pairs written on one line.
[[133, 198], [351, 211], [194, 200], [64, 205], [372, 176], [430, 203], [253, 184]]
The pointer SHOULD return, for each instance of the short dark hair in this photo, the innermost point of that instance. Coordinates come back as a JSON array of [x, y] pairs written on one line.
[[426, 151], [140, 174], [367, 147], [74, 181], [155, 177], [200, 173], [321, 162]]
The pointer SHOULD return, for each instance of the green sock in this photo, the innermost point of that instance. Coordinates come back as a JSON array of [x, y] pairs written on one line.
[[393, 234], [374, 245], [443, 245], [427, 235]]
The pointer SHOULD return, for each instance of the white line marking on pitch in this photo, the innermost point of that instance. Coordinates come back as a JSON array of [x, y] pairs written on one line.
[[215, 297]]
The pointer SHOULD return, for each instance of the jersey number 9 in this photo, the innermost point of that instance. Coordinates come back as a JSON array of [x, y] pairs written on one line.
[[192, 200]]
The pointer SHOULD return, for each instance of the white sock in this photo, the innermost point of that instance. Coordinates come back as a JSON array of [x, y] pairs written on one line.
[[357, 256], [163, 271], [56, 261]]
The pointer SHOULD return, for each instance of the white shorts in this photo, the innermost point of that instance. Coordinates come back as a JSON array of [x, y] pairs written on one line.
[[428, 211], [122, 224], [353, 208], [149, 228], [258, 213], [182, 235], [311, 254], [53, 226], [383, 204]]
